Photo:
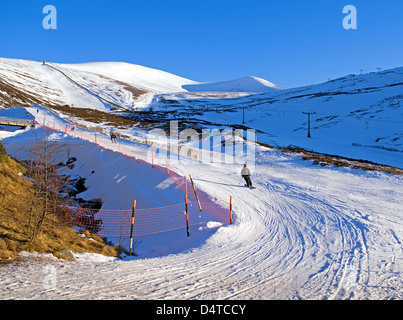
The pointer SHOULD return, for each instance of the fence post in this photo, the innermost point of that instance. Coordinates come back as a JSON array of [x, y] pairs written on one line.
[[132, 226], [166, 162], [186, 187], [187, 215], [152, 156], [230, 210], [194, 189]]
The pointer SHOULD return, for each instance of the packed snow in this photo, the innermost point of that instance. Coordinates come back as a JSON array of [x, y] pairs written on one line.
[[305, 232]]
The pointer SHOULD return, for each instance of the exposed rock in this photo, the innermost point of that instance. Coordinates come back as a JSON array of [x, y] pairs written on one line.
[[64, 254]]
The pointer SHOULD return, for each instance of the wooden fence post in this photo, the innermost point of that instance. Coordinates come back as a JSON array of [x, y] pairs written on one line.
[[194, 189], [166, 163]]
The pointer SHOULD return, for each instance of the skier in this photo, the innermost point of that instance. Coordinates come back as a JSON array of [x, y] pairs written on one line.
[[113, 137], [246, 175]]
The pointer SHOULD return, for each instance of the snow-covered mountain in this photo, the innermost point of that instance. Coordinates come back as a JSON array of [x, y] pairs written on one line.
[[102, 85], [245, 84], [146, 79], [356, 116], [99, 85]]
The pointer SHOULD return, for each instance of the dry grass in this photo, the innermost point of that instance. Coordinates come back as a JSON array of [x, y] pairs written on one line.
[[11, 96], [94, 116], [337, 161], [15, 192]]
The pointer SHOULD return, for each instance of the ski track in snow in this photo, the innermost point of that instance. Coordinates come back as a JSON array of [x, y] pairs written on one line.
[[306, 232]]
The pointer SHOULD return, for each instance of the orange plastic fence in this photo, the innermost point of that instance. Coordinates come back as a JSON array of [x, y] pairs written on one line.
[[146, 221], [104, 222]]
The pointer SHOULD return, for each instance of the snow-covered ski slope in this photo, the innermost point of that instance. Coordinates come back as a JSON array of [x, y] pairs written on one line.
[[89, 85], [306, 232], [138, 76]]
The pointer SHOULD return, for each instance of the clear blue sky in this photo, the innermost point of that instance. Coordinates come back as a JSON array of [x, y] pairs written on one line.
[[290, 43]]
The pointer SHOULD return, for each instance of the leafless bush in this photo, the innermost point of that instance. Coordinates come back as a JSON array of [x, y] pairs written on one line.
[[48, 181]]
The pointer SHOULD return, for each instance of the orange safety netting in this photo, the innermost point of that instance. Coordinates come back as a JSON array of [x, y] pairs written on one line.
[[146, 221], [104, 222]]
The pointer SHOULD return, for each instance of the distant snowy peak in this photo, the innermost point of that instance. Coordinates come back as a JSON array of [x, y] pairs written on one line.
[[245, 84]]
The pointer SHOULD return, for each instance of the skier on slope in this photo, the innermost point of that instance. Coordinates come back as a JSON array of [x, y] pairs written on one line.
[[246, 175], [113, 137]]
